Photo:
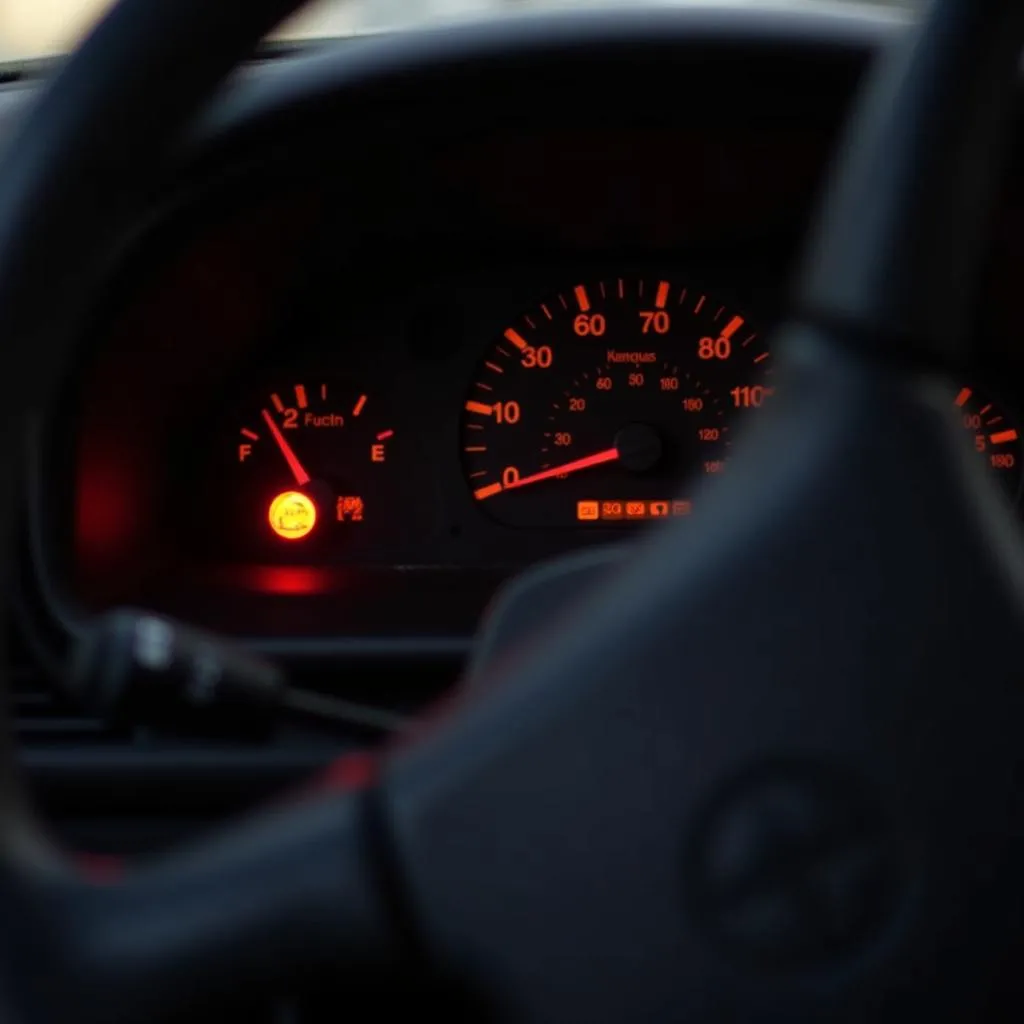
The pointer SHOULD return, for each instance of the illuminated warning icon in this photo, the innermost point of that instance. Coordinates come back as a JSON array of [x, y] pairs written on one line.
[[636, 509], [658, 509], [611, 510], [349, 509], [588, 511], [292, 515]]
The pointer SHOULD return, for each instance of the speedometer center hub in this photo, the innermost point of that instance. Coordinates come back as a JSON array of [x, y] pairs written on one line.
[[639, 446]]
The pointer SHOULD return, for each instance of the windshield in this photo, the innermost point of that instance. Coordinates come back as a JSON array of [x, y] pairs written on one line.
[[41, 28]]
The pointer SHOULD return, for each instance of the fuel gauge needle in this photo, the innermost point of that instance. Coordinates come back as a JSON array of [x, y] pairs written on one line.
[[301, 476]]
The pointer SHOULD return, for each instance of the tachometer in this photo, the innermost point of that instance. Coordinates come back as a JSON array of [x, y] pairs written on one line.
[[597, 405], [995, 435]]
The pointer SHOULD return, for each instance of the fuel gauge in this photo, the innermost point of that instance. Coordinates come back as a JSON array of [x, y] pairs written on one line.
[[308, 462]]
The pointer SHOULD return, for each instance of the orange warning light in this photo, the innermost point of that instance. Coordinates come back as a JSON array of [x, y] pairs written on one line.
[[588, 511], [292, 515], [659, 509], [349, 509]]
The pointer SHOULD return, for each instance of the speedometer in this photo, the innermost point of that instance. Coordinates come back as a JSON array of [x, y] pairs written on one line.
[[596, 406]]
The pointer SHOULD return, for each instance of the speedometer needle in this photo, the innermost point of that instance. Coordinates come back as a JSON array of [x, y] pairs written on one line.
[[608, 455], [301, 476]]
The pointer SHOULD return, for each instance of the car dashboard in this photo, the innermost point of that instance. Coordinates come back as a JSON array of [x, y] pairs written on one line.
[[410, 314]]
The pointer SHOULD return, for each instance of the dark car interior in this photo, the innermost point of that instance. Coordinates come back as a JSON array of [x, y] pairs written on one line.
[[352, 670]]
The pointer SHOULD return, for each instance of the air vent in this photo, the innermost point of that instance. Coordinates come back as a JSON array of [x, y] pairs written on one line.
[[41, 716]]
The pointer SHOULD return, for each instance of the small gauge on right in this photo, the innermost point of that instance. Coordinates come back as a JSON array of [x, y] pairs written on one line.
[[996, 436]]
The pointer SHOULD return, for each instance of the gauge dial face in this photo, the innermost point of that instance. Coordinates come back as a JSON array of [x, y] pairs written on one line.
[[303, 467], [995, 436], [596, 406]]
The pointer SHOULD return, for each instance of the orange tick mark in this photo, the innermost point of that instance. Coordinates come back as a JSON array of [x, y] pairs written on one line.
[[479, 407], [963, 398], [486, 492], [662, 297], [582, 299], [1003, 437], [732, 327], [358, 407], [517, 339]]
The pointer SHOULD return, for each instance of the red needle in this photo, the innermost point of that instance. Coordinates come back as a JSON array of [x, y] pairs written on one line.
[[301, 476], [608, 455]]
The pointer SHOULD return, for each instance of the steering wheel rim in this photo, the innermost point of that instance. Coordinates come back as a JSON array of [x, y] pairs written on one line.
[[429, 847]]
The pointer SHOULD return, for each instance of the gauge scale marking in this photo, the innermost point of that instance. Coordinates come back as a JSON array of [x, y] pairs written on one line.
[[994, 436], [597, 405]]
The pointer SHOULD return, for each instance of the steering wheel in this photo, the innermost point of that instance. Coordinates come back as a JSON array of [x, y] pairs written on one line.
[[769, 769]]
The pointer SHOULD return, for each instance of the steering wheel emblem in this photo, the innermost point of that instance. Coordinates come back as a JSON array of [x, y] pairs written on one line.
[[793, 866]]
